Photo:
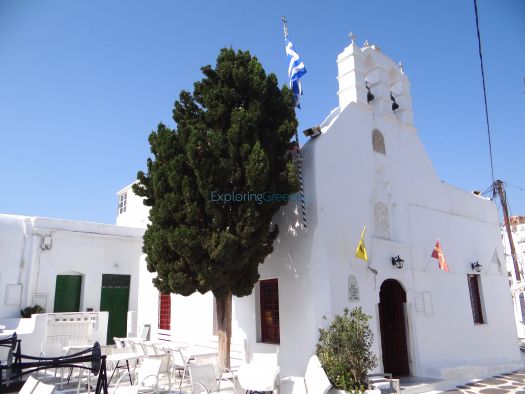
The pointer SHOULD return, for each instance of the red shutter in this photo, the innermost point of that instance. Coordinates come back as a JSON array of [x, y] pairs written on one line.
[[164, 311], [269, 291]]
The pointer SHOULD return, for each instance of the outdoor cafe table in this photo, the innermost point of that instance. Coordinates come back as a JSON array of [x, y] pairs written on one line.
[[117, 358], [258, 377]]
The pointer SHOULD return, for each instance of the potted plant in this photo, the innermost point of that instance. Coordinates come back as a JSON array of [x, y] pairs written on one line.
[[344, 350], [30, 310]]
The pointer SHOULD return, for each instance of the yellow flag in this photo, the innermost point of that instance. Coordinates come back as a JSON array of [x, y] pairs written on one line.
[[360, 252]]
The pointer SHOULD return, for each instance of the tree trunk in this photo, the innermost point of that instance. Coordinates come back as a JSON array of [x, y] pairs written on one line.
[[224, 325]]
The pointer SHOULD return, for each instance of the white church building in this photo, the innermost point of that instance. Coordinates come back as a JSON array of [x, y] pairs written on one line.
[[366, 167]]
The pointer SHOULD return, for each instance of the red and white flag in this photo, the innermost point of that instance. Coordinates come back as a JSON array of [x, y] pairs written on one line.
[[438, 254]]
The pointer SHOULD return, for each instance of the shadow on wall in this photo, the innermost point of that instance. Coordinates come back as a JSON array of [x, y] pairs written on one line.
[[290, 264]]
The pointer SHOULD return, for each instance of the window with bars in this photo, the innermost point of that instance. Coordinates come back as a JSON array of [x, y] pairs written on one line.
[[122, 200], [475, 298], [164, 311], [269, 294]]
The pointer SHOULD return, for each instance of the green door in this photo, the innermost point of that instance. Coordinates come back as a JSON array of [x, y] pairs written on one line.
[[114, 299], [67, 293]]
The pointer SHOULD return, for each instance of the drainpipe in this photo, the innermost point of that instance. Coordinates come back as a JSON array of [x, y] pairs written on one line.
[[41, 241], [26, 263]]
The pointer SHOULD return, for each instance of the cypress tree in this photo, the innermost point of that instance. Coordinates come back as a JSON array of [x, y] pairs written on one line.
[[232, 137]]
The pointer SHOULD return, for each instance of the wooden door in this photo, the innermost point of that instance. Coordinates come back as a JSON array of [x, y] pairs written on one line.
[[67, 293], [114, 299], [393, 331]]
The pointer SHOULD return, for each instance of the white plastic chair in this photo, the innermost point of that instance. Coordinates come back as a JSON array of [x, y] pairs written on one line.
[[221, 374], [118, 342], [314, 381], [165, 367], [35, 386], [50, 349], [43, 388], [29, 385], [146, 379], [158, 349], [80, 370], [145, 332], [203, 379], [149, 349], [179, 363]]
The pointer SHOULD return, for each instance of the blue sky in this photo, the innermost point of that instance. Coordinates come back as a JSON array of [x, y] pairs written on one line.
[[83, 83]]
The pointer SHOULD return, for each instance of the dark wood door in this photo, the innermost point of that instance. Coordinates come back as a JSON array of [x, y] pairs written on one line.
[[393, 332], [67, 293], [114, 299], [270, 331]]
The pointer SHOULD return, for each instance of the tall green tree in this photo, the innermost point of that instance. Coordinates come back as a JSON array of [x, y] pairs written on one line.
[[232, 137]]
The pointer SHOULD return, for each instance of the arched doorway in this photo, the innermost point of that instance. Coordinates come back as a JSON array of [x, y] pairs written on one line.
[[392, 298]]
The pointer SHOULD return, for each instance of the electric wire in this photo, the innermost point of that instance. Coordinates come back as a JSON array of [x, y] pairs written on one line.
[[484, 90], [521, 189]]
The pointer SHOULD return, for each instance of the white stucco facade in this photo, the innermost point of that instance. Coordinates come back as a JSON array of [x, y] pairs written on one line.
[[517, 226], [350, 183], [35, 251], [130, 210]]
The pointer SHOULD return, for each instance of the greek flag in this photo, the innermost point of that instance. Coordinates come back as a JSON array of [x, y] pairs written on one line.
[[296, 70]]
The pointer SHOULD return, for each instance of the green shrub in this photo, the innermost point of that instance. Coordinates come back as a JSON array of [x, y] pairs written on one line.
[[27, 312], [344, 349]]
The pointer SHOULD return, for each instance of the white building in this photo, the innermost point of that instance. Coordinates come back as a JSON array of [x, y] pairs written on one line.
[[368, 167], [68, 266], [517, 225]]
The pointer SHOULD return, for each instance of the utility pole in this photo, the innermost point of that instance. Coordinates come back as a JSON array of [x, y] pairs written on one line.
[[503, 198]]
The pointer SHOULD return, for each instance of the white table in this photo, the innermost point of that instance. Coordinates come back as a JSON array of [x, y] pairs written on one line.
[[118, 358], [259, 377]]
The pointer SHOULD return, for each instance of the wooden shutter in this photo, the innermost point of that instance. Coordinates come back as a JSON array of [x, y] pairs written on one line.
[[475, 299], [164, 311], [269, 291]]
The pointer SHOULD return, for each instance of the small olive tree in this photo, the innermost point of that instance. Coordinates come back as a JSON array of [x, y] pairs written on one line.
[[344, 349]]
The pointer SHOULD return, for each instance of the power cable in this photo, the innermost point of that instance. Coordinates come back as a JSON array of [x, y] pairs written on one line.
[[484, 90], [521, 189]]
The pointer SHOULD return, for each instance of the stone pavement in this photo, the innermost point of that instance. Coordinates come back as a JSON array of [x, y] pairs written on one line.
[[511, 383]]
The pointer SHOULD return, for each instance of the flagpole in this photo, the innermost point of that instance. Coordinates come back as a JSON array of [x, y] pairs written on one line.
[[285, 27], [299, 156]]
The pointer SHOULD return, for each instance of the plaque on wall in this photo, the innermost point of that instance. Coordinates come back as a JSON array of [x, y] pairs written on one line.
[[353, 289]]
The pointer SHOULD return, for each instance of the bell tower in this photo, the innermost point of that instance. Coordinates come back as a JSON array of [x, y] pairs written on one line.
[[368, 76]]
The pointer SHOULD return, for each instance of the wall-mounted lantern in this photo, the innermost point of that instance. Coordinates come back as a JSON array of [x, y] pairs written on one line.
[[397, 262], [476, 266]]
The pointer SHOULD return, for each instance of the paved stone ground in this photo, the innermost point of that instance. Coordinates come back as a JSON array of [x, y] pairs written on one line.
[[511, 383]]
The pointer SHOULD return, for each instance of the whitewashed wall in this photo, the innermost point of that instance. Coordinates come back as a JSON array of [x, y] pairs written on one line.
[[88, 249], [344, 179], [136, 213]]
